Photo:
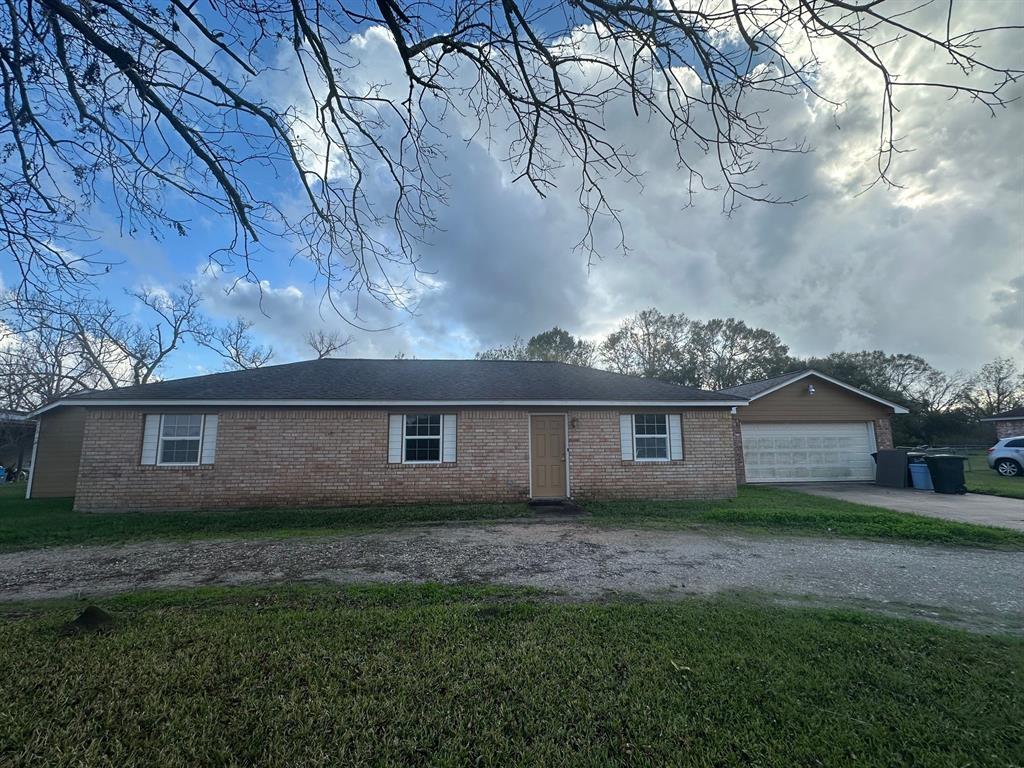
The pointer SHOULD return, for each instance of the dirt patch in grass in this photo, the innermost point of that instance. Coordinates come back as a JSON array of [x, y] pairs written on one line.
[[92, 619]]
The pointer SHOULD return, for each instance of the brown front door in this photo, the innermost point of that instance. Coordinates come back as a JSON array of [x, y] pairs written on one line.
[[547, 456]]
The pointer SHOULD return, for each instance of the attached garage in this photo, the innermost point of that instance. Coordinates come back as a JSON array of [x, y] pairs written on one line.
[[807, 427], [801, 453]]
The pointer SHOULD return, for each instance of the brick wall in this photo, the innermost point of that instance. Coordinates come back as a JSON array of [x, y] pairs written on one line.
[[1009, 428], [322, 457], [707, 470], [737, 445], [883, 433]]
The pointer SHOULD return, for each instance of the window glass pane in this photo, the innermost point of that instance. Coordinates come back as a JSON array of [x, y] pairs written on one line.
[[651, 448], [422, 449], [650, 424], [182, 425], [179, 451], [425, 425], [1015, 444]]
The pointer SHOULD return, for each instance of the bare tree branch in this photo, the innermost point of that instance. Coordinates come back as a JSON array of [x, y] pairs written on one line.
[[325, 343], [235, 344], [147, 109]]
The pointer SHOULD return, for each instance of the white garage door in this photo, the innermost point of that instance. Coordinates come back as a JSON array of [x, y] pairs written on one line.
[[794, 453]]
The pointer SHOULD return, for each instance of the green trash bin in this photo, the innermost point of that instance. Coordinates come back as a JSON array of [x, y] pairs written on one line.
[[947, 473]]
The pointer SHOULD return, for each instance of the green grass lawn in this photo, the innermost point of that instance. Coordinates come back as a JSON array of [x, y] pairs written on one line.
[[778, 510], [418, 675], [45, 522], [980, 479], [52, 522]]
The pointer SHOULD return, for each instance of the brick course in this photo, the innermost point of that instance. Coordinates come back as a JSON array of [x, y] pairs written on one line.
[[883, 433], [737, 442], [1009, 428], [321, 457]]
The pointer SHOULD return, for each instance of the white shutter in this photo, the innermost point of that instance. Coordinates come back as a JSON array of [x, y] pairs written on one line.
[[150, 438], [626, 436], [448, 422], [675, 436], [396, 425], [209, 439]]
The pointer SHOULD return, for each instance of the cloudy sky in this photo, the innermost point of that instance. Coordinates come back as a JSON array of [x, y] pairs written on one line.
[[935, 267]]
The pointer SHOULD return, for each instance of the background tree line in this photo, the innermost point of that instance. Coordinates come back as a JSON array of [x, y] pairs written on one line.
[[721, 353], [51, 346]]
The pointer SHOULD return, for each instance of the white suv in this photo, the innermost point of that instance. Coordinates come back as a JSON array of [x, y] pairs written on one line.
[[1007, 456]]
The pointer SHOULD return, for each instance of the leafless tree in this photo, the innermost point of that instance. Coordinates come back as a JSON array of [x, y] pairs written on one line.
[[235, 344], [516, 350], [998, 386], [126, 351], [144, 106], [94, 336], [326, 343], [42, 365]]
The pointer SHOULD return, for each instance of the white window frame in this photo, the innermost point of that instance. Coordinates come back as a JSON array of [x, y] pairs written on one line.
[[668, 445], [440, 438], [160, 441]]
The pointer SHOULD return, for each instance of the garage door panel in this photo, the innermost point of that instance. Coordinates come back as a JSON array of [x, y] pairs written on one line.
[[807, 452]]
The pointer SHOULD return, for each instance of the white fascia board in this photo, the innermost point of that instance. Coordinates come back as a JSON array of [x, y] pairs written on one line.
[[33, 465], [392, 403], [896, 408], [1002, 418]]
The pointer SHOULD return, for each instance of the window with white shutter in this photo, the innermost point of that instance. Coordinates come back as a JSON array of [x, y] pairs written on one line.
[[422, 438], [651, 437], [179, 439]]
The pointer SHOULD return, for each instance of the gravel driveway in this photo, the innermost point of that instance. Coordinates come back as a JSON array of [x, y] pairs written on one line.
[[976, 587]]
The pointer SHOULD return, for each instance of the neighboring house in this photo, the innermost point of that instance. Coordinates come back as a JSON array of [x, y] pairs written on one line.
[[330, 432], [1008, 423], [16, 433], [808, 427]]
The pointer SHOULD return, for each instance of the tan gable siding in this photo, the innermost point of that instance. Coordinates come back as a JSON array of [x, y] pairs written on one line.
[[58, 452], [828, 403]]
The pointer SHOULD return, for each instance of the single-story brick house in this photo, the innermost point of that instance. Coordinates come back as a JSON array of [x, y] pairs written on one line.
[[806, 426], [331, 432], [1008, 423]]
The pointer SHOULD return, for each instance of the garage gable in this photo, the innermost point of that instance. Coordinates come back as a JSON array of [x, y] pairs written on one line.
[[795, 402]]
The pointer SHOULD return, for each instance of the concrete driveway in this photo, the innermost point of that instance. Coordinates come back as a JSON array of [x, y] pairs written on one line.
[[969, 508]]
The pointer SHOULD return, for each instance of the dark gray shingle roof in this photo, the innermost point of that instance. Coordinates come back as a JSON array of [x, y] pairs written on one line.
[[752, 388], [1013, 413], [413, 381]]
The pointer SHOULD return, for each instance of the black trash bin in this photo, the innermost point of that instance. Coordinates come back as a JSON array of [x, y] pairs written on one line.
[[947, 473]]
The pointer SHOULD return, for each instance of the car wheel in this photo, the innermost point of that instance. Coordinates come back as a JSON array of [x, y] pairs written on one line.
[[1008, 468]]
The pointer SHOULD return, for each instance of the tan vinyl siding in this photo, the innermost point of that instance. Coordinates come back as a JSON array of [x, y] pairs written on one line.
[[58, 452], [828, 403]]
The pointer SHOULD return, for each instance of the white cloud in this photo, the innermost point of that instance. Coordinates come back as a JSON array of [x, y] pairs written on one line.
[[930, 268]]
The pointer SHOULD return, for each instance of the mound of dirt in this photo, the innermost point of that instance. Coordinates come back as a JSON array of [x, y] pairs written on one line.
[[92, 619]]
